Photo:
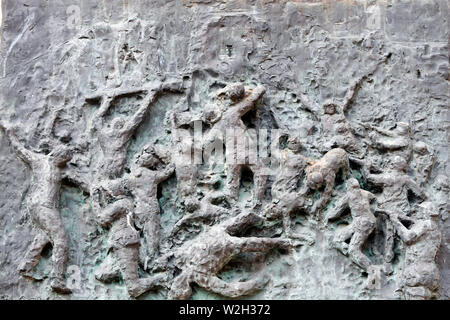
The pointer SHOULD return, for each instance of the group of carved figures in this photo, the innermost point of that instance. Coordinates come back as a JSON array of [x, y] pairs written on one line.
[[126, 203]]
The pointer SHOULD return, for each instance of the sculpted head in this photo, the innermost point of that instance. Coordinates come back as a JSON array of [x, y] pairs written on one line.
[[420, 148], [352, 183], [234, 91], [330, 107], [399, 164], [314, 180], [294, 144], [147, 158], [403, 128], [61, 155]]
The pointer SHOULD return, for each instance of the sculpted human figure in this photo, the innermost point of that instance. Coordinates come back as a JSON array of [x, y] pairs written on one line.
[[292, 167], [422, 162], [362, 225], [285, 196], [115, 210], [203, 210], [187, 171], [201, 258], [233, 102], [397, 140], [420, 275], [394, 197], [114, 138], [323, 173], [42, 203], [337, 131], [147, 172]]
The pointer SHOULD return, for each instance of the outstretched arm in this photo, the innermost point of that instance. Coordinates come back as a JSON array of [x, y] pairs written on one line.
[[408, 236], [165, 174], [351, 92], [153, 92], [97, 119], [341, 205], [384, 132], [139, 116], [24, 154], [329, 184], [377, 179], [414, 187], [248, 103], [210, 213]]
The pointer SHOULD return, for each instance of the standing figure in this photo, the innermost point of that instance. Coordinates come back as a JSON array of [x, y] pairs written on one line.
[[201, 258], [115, 210], [394, 197], [420, 276], [292, 167], [42, 203], [337, 131], [146, 174], [323, 173], [115, 137], [187, 171], [285, 197], [234, 101], [360, 228]]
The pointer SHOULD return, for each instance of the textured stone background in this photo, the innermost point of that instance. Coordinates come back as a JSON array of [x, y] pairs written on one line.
[[51, 60]]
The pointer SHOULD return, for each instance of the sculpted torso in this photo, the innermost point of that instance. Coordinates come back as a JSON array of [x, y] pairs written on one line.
[[46, 183]]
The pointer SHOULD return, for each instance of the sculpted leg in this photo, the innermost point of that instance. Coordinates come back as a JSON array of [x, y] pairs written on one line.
[[341, 236], [260, 187], [254, 244], [151, 231], [128, 264], [389, 241], [355, 249], [108, 269], [233, 180], [50, 221], [233, 289], [33, 254], [181, 287]]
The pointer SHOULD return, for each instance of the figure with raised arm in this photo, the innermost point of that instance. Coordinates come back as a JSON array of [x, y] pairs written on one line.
[[42, 203], [115, 137], [337, 131], [147, 172], [420, 275], [114, 209], [362, 225], [394, 197], [233, 102]]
